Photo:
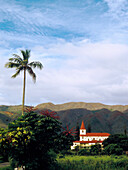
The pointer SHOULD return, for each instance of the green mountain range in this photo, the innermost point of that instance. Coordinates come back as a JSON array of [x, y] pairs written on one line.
[[101, 118]]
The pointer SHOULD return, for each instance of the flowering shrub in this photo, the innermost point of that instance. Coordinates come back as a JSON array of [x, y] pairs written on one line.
[[68, 131], [66, 137], [49, 114], [4, 143], [29, 140], [32, 138]]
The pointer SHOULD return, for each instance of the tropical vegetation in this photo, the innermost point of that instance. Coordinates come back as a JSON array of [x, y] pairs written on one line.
[[34, 140], [22, 64]]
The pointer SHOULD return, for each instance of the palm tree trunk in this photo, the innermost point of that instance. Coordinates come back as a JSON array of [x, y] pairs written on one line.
[[23, 100]]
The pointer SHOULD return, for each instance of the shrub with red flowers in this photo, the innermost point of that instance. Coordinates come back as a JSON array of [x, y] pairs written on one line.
[[67, 136], [30, 139], [49, 114], [68, 131]]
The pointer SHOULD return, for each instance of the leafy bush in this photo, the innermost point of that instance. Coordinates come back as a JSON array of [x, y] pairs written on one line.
[[30, 139], [3, 145], [95, 149], [33, 141], [113, 149], [84, 152], [119, 139]]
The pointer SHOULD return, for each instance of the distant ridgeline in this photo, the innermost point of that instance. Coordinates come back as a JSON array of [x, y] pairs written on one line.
[[100, 117]]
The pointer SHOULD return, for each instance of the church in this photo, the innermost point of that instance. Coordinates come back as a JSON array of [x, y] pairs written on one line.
[[88, 139]]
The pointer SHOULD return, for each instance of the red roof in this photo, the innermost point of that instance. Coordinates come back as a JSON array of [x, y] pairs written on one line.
[[96, 134], [82, 125], [93, 141]]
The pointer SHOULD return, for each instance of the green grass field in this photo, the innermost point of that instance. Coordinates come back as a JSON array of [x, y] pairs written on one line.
[[6, 168], [93, 163], [90, 163]]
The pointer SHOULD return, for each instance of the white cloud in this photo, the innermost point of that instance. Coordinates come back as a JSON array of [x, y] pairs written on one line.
[[85, 72], [117, 5], [79, 47], [90, 72], [118, 10]]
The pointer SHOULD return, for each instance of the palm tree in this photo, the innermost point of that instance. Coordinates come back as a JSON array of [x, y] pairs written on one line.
[[22, 64]]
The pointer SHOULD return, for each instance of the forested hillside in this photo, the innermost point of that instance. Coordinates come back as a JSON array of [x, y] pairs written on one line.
[[100, 120]]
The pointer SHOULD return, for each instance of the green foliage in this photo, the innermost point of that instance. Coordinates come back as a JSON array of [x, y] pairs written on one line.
[[95, 149], [77, 132], [65, 142], [4, 144], [33, 140], [84, 152], [30, 140], [113, 149], [77, 148], [21, 63], [119, 139]]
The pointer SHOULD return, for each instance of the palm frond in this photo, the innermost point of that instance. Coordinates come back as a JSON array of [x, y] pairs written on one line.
[[28, 53], [16, 55], [35, 64], [22, 63], [16, 74], [25, 63], [17, 60], [30, 71], [12, 65], [25, 54], [20, 68]]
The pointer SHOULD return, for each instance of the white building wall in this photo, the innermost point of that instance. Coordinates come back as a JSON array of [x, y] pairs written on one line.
[[90, 138], [82, 131]]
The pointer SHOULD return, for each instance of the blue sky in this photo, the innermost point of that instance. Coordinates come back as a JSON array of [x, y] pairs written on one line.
[[83, 46]]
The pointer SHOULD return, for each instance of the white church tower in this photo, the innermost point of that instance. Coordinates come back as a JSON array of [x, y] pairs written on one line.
[[82, 131]]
